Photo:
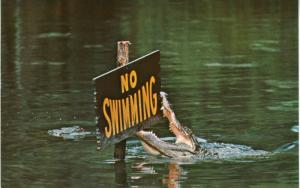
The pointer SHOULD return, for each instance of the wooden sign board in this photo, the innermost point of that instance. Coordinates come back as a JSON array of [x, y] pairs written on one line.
[[127, 99]]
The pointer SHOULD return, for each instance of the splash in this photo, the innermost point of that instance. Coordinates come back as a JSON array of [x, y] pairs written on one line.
[[70, 133]]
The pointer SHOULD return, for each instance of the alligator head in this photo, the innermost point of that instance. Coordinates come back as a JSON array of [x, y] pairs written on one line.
[[185, 144]]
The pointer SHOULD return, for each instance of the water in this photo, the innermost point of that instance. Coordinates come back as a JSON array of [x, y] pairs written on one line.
[[229, 67]]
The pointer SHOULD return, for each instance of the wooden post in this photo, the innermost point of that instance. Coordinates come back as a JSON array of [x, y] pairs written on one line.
[[122, 59]]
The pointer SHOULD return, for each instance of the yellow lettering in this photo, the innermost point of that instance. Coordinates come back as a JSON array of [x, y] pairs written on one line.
[[140, 105], [134, 109], [120, 116], [153, 102], [126, 115], [146, 103], [131, 110], [109, 128], [114, 116], [133, 79], [124, 83]]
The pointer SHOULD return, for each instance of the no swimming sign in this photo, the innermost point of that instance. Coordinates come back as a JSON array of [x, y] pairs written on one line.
[[127, 99]]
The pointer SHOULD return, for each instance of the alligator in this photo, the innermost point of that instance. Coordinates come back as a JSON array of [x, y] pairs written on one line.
[[187, 145]]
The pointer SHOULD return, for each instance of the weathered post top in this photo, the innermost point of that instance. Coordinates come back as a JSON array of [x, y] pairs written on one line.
[[123, 52]]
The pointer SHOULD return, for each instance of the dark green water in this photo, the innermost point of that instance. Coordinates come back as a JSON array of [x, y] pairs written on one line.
[[230, 68]]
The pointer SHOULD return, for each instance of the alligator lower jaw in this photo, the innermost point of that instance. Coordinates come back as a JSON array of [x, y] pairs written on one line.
[[156, 146], [148, 148]]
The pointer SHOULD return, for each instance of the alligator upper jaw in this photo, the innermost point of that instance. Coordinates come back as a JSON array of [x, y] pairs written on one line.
[[183, 134], [156, 146]]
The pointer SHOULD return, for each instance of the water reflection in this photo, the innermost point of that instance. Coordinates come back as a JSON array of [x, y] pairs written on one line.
[[171, 179], [18, 45], [120, 173]]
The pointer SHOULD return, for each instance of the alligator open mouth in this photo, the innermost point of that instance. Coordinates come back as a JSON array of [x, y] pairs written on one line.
[[185, 144]]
